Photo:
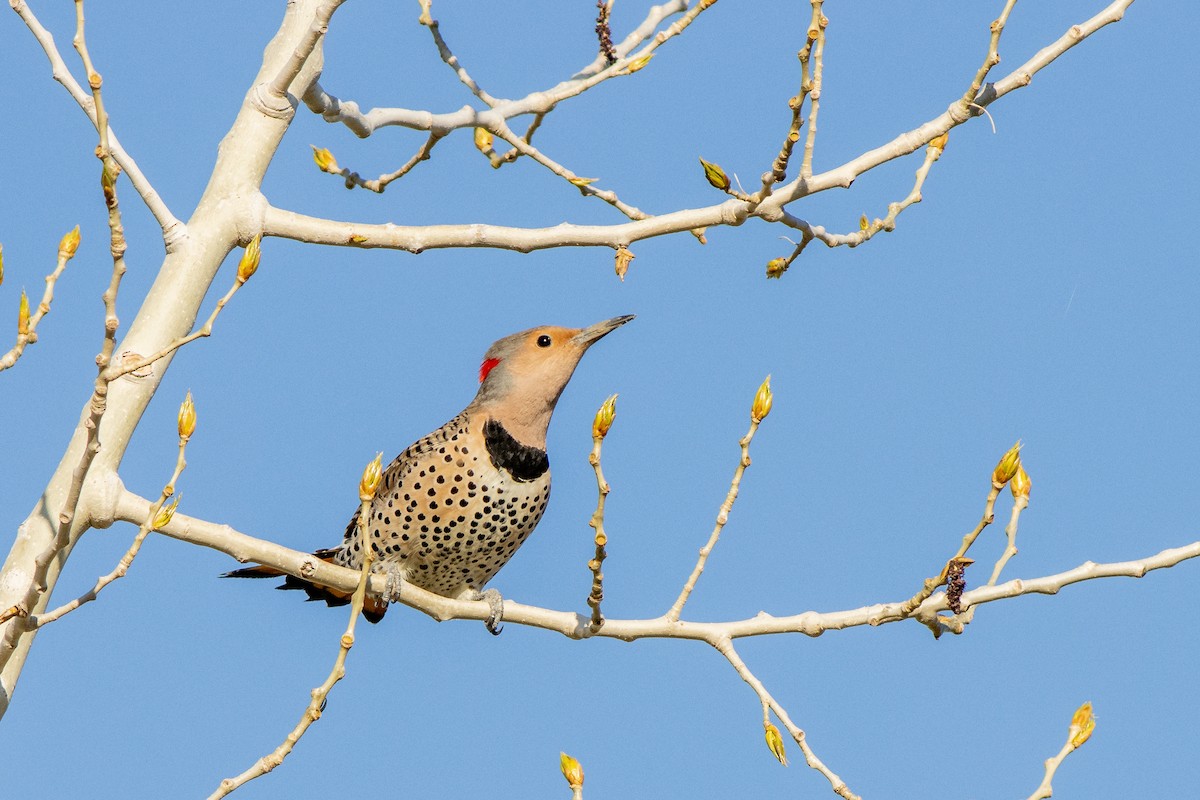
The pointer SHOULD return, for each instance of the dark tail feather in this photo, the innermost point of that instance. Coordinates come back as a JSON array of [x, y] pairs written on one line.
[[373, 607]]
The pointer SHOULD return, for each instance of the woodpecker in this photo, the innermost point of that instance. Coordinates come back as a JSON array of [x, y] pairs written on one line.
[[453, 508]]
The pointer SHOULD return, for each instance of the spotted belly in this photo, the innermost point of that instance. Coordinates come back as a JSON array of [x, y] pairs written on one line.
[[447, 516]]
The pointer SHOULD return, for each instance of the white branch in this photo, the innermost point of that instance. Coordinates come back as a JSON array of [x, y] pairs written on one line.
[[906, 143], [732, 212], [245, 548], [332, 109], [172, 228], [415, 239]]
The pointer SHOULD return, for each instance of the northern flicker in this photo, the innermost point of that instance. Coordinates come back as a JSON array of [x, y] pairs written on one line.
[[451, 510]]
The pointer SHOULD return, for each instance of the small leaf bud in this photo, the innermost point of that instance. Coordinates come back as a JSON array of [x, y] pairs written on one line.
[[762, 402], [1020, 483], [775, 744], [638, 63], [187, 418], [604, 418], [108, 177], [370, 478], [1008, 465], [164, 515], [250, 258], [69, 243], [23, 315], [325, 160], [715, 175], [572, 770], [776, 267], [1082, 725], [483, 140]]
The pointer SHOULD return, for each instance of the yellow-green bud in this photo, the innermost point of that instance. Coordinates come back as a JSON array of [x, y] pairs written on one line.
[[250, 258], [108, 176], [1008, 465], [23, 315], [776, 267], [187, 418], [762, 402], [638, 63], [1082, 725], [69, 243], [604, 418], [325, 160], [572, 770], [715, 175], [370, 478], [483, 140], [863, 224], [939, 142], [775, 744], [164, 515], [1020, 483]]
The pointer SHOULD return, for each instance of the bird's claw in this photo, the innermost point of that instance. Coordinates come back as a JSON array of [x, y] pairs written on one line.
[[496, 604], [393, 586]]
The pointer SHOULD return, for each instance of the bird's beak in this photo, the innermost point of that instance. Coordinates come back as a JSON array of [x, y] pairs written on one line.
[[592, 334]]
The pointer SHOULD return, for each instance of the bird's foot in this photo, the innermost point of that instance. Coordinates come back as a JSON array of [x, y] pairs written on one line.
[[496, 604], [394, 584]]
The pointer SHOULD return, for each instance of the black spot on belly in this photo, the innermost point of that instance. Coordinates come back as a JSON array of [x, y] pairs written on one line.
[[523, 462]]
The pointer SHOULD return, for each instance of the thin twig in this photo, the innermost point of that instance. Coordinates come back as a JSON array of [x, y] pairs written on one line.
[[724, 646], [1019, 504], [990, 60], [1082, 725], [173, 229], [600, 427], [334, 109], [152, 521], [205, 330], [99, 401], [931, 584], [523, 147], [722, 518], [816, 45], [867, 230], [778, 172], [513, 154], [378, 185], [447, 55], [777, 266], [422, 154], [27, 333], [316, 705]]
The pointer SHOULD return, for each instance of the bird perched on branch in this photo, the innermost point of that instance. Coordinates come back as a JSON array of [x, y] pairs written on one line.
[[451, 510]]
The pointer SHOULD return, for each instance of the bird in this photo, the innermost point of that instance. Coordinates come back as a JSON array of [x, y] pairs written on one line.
[[452, 508]]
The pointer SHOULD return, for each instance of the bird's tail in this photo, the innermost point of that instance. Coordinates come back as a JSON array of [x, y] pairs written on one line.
[[373, 607]]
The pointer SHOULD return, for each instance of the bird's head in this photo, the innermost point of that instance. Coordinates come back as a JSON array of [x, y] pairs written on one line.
[[523, 375]]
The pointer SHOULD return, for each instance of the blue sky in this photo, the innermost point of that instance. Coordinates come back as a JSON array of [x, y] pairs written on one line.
[[1045, 290]]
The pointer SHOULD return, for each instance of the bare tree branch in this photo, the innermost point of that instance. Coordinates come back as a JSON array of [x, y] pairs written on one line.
[[244, 548], [173, 229]]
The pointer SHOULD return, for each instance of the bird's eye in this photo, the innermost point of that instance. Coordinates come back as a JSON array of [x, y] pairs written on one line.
[[543, 341]]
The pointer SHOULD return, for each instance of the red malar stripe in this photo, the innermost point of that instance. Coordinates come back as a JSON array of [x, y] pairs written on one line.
[[487, 366]]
